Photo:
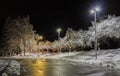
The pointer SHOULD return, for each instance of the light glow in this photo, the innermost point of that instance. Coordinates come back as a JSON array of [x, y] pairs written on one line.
[[97, 9], [59, 30], [92, 11], [41, 37]]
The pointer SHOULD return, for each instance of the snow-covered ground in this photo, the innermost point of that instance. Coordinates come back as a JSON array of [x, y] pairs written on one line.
[[61, 55], [47, 55], [106, 58]]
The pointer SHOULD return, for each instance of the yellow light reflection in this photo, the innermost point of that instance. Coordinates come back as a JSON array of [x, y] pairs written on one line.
[[37, 67]]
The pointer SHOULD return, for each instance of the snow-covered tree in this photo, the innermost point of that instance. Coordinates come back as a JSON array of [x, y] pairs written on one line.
[[17, 34]]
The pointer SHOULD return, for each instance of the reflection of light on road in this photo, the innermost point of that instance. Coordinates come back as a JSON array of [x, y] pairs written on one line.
[[37, 67], [59, 70]]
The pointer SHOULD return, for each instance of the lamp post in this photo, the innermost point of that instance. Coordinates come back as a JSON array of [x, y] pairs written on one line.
[[94, 11], [58, 31]]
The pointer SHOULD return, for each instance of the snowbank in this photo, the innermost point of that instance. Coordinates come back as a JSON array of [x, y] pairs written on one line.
[[61, 55], [106, 58], [47, 55], [29, 55]]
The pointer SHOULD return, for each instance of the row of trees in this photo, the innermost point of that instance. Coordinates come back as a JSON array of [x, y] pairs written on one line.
[[19, 37], [108, 36]]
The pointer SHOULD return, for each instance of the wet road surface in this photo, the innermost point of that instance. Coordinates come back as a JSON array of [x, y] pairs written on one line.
[[38, 67], [62, 68]]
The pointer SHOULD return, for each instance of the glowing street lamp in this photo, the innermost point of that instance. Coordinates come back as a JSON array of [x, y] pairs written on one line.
[[94, 11], [58, 31]]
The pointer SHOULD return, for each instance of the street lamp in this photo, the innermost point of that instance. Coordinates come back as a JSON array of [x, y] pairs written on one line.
[[94, 11], [58, 31]]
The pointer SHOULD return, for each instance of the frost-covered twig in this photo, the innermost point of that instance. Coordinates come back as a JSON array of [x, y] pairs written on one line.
[[4, 69]]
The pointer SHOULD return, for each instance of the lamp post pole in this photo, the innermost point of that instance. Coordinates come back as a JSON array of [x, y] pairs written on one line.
[[94, 11], [95, 35], [58, 35], [58, 31]]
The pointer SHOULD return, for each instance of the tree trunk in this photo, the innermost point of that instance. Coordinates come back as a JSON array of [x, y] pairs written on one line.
[[24, 46]]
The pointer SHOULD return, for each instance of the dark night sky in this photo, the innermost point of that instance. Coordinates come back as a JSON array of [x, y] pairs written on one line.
[[48, 15]]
